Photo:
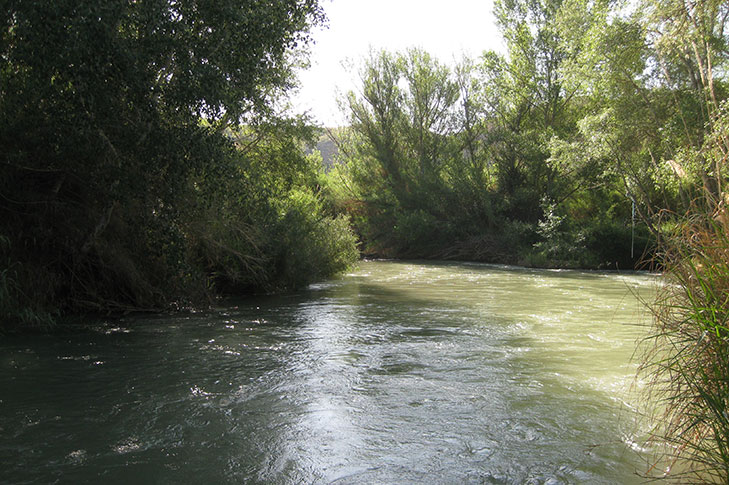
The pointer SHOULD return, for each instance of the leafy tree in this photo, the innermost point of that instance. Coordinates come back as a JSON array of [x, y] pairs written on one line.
[[527, 103], [113, 119], [648, 98], [528, 157], [403, 125], [690, 44]]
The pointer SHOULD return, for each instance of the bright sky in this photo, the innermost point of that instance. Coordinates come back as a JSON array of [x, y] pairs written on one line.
[[446, 29]]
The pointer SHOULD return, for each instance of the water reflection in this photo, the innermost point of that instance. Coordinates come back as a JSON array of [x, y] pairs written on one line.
[[397, 373]]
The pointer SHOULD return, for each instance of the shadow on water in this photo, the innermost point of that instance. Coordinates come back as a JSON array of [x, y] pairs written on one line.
[[398, 373]]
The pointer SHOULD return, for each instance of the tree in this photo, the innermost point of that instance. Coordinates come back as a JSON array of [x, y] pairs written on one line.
[[658, 90], [526, 103], [404, 122], [102, 106], [690, 42]]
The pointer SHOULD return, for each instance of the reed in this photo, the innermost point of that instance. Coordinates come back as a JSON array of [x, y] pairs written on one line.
[[687, 366]]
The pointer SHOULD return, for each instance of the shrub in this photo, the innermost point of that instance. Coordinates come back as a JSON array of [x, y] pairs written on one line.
[[307, 244]]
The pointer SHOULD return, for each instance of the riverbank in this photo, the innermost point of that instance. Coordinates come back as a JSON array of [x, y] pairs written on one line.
[[605, 249]]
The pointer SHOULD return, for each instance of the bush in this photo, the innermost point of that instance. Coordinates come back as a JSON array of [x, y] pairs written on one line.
[[560, 244], [259, 225], [598, 244], [307, 244]]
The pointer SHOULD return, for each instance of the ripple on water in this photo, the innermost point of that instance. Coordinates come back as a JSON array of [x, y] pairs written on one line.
[[396, 373]]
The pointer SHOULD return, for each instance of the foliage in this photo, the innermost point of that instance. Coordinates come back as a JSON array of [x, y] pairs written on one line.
[[121, 184], [259, 224], [687, 365], [307, 245], [445, 162]]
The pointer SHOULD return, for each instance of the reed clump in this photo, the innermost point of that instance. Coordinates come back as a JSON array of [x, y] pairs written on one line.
[[687, 366]]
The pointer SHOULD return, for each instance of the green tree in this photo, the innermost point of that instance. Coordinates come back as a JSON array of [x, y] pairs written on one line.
[[102, 134], [645, 106], [403, 125], [527, 104]]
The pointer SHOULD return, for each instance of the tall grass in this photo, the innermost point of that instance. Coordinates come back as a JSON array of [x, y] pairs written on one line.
[[687, 365]]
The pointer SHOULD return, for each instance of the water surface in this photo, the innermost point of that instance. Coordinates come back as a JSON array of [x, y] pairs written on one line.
[[396, 373]]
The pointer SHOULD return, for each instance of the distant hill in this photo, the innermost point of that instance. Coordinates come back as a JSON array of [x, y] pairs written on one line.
[[327, 148]]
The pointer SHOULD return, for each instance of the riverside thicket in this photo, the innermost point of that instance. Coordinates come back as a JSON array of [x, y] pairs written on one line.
[[143, 162]]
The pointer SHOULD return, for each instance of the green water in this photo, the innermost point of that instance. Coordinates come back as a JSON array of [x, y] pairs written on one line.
[[396, 373]]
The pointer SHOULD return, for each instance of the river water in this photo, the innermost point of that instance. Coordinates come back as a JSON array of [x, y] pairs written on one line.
[[399, 372]]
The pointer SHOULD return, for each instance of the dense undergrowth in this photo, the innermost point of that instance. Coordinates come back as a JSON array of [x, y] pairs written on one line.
[[252, 222]]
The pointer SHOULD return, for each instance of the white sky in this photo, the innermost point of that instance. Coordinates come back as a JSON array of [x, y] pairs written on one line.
[[446, 29]]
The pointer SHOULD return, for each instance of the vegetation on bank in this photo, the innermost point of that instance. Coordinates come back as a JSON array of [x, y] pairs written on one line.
[[144, 161], [687, 365], [564, 152], [523, 158], [688, 362]]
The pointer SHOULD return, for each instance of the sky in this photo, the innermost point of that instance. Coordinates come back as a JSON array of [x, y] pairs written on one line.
[[446, 29]]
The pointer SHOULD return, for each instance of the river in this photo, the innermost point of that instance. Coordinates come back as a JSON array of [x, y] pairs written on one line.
[[400, 372]]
